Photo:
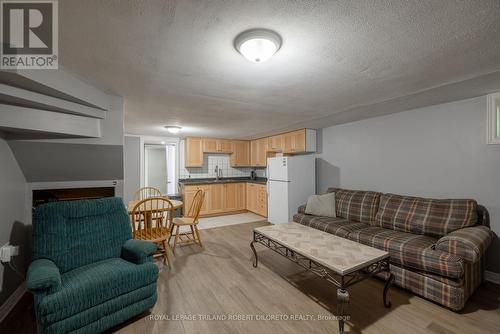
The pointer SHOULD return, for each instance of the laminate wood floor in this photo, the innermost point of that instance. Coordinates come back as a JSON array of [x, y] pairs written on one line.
[[218, 284]]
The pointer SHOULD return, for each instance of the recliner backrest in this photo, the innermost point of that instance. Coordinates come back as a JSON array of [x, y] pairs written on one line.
[[76, 233]]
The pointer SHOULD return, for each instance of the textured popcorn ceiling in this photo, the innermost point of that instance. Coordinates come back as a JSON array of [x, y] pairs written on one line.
[[174, 62]]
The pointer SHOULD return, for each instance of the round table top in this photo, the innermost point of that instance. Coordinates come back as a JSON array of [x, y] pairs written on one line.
[[176, 204]]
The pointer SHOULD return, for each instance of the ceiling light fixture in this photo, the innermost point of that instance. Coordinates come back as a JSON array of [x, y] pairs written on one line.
[[257, 45], [173, 128]]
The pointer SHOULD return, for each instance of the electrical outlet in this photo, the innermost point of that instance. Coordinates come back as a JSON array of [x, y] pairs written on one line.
[[7, 252]]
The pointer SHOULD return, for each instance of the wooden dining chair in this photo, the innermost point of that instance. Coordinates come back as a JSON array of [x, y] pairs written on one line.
[[152, 221], [146, 192], [191, 220]]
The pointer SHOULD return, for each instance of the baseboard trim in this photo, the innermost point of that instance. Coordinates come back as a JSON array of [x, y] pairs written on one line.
[[492, 277], [14, 298]]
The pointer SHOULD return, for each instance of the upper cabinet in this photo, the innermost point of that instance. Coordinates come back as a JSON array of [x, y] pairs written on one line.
[[294, 141], [258, 152], [213, 145], [275, 143], [300, 141], [194, 152], [224, 146], [251, 153], [209, 145], [241, 153]]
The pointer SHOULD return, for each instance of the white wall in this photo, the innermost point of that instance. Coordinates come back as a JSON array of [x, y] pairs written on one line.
[[13, 227], [132, 167], [437, 151], [76, 159], [112, 126]]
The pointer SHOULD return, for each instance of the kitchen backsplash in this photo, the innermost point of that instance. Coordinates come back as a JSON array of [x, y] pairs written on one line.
[[208, 169]]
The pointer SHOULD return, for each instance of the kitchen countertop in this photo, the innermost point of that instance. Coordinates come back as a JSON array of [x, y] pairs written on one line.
[[259, 180]]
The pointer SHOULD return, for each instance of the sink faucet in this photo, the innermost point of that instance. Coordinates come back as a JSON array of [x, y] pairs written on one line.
[[218, 173]]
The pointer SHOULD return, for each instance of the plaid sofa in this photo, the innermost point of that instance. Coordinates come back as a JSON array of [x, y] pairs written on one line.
[[436, 247]]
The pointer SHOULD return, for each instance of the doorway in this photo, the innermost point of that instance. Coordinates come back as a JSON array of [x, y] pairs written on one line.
[[159, 167]]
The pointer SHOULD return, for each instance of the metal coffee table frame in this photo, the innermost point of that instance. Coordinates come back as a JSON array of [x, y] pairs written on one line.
[[341, 281]]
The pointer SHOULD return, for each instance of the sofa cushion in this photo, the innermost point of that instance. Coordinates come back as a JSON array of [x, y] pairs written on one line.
[[337, 226], [432, 217], [321, 205], [357, 206], [411, 250], [94, 284]]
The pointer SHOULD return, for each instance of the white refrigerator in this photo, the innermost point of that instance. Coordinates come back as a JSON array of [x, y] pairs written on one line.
[[290, 181]]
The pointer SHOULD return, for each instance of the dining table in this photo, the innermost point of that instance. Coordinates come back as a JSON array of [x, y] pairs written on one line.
[[176, 204]]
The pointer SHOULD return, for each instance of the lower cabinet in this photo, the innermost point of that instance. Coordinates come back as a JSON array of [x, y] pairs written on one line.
[[219, 198], [228, 197], [235, 196], [188, 193], [257, 198]]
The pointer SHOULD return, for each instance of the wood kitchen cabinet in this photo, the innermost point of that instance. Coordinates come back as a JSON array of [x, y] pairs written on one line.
[[224, 146], [262, 200], [213, 145], [300, 141], [258, 152], [188, 193], [209, 145], [251, 198], [235, 196], [275, 143], [193, 152], [253, 153], [220, 198], [256, 198], [217, 199], [241, 153]]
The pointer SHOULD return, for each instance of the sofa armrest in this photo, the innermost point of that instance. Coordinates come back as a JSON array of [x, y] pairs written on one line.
[[43, 277], [302, 208], [138, 251], [469, 243]]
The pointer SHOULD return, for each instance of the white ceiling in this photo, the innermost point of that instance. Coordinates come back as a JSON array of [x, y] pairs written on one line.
[[174, 61]]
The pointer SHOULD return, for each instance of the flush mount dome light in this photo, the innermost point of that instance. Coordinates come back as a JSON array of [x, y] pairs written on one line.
[[173, 128], [257, 45]]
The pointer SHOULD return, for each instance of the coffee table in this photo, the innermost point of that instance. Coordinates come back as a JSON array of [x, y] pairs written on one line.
[[340, 261]]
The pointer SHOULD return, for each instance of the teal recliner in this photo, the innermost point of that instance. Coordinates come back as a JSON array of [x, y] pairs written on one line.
[[88, 274]]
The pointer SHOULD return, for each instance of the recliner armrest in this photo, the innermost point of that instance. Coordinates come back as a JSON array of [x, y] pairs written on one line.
[[138, 251], [43, 277], [470, 243]]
